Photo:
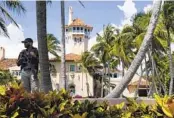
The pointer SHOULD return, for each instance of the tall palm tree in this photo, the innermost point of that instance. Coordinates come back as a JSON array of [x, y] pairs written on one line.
[[89, 62], [103, 48], [122, 49], [46, 84], [168, 17], [63, 78], [133, 36], [53, 45], [141, 53], [15, 6]]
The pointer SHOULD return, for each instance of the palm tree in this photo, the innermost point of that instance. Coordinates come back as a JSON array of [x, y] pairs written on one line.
[[167, 14], [46, 84], [63, 78], [141, 53], [15, 6], [89, 62], [122, 49], [53, 45], [103, 48], [133, 36]]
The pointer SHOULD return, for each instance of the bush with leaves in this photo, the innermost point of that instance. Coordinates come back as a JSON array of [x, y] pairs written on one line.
[[5, 77], [15, 102]]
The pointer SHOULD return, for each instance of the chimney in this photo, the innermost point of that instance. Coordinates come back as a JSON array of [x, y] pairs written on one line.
[[70, 15], [2, 53]]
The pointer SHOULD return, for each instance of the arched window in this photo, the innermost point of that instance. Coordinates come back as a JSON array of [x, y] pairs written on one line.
[[72, 89]]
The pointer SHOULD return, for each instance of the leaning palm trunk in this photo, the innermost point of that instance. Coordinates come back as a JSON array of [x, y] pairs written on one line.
[[63, 82], [141, 53], [171, 63], [42, 46]]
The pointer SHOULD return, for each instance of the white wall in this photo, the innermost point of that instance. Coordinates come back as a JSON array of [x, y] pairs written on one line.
[[80, 79]]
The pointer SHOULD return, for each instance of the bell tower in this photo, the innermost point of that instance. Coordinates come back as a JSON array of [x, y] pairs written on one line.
[[77, 34]]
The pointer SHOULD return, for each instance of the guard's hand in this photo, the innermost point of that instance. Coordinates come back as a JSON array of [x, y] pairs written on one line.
[[33, 54]]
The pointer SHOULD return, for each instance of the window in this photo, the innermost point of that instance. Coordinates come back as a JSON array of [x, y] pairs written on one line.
[[72, 68], [142, 92], [85, 30], [81, 28], [66, 30], [80, 39], [74, 28], [88, 30], [77, 28], [115, 75]]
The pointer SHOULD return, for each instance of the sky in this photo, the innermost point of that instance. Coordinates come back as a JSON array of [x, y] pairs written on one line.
[[96, 14]]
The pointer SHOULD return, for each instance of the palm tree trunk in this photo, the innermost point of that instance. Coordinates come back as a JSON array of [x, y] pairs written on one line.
[[171, 63], [153, 74], [46, 84], [103, 76], [87, 84], [136, 92], [141, 53], [109, 77], [147, 75], [160, 83], [122, 68], [63, 83]]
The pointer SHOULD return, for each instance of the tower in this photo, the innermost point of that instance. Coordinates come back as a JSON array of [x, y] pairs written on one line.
[[77, 34]]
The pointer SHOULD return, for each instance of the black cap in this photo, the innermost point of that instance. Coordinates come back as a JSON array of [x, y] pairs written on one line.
[[27, 40]]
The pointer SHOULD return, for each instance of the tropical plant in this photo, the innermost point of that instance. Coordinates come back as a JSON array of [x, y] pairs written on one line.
[[89, 63], [5, 77], [63, 79], [16, 102], [141, 53], [168, 17], [53, 45], [15, 6], [46, 84], [103, 48]]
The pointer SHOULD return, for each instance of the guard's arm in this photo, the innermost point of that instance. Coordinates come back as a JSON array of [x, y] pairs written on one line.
[[19, 60]]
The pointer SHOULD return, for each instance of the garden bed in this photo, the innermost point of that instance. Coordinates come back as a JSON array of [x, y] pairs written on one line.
[[15, 102]]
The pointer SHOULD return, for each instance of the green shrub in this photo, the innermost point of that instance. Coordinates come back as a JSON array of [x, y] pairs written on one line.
[[6, 77], [15, 102]]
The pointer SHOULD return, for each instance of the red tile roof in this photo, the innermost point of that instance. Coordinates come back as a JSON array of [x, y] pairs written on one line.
[[142, 83], [79, 22], [6, 63], [70, 57]]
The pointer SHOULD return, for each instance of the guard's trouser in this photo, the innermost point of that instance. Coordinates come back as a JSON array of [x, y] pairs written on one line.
[[29, 80]]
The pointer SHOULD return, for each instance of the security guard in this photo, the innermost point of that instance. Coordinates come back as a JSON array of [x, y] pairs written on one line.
[[28, 60]]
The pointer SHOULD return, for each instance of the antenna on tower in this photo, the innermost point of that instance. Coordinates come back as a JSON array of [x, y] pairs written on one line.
[[70, 15]]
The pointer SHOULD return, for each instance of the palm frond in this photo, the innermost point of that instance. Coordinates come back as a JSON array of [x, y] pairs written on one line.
[[15, 6], [7, 15], [81, 3], [3, 28]]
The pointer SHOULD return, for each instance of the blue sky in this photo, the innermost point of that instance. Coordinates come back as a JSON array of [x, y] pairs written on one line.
[[95, 13]]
